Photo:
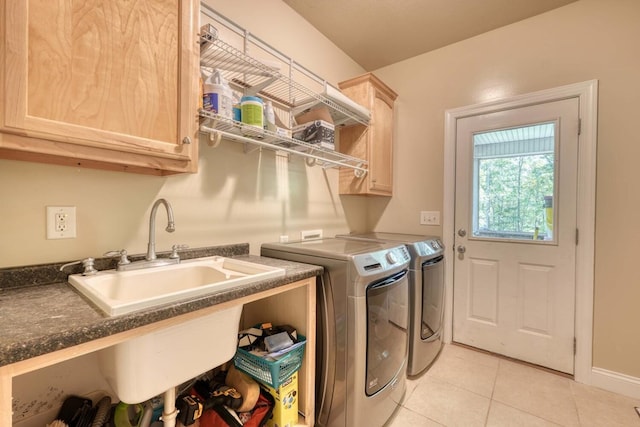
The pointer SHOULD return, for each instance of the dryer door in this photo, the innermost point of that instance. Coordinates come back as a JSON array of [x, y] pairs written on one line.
[[387, 321], [432, 297]]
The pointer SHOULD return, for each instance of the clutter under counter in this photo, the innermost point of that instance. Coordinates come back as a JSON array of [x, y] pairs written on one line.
[[57, 326]]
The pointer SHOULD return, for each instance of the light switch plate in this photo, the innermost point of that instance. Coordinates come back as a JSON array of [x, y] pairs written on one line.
[[430, 217]]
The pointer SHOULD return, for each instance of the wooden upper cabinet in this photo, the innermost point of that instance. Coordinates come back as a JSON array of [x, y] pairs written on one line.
[[373, 143], [109, 84]]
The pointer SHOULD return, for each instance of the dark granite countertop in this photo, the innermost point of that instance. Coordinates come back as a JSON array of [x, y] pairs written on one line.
[[39, 318]]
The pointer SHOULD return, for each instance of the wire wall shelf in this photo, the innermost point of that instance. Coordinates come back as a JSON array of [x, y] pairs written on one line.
[[252, 77], [218, 127]]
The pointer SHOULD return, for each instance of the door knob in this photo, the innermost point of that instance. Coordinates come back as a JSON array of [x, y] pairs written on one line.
[[462, 232], [461, 249]]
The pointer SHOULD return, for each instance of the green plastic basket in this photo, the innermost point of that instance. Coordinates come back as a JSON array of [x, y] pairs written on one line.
[[268, 372]]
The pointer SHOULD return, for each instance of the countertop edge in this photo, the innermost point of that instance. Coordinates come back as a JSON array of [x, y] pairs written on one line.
[[79, 321]]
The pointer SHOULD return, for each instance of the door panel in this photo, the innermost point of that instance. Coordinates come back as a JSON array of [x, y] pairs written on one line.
[[514, 271], [483, 291], [534, 295]]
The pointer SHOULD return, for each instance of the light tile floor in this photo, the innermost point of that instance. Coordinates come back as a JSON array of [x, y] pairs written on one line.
[[469, 388]]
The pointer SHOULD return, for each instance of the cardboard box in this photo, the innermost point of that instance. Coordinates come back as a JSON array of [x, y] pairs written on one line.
[[285, 411], [318, 112], [316, 132]]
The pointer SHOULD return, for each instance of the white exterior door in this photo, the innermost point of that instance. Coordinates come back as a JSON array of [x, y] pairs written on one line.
[[515, 232]]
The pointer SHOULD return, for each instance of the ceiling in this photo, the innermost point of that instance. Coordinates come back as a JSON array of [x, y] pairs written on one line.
[[376, 33]]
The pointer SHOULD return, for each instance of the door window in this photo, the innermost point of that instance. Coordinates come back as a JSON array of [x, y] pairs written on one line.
[[514, 183]]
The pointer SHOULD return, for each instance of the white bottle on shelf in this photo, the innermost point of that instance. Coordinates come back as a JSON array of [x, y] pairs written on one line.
[[218, 95], [269, 116]]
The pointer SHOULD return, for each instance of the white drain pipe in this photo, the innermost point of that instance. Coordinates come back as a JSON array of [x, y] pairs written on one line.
[[169, 413]]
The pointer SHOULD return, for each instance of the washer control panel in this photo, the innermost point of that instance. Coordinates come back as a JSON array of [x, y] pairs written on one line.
[[379, 261], [429, 247]]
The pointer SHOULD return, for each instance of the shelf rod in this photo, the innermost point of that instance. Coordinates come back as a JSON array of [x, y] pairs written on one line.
[[359, 171], [224, 124]]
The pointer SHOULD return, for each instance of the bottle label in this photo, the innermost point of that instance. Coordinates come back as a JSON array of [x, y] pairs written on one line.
[[208, 102], [252, 114], [217, 103]]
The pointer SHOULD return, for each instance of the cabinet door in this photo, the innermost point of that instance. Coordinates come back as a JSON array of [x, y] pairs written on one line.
[[380, 144], [373, 143], [108, 83]]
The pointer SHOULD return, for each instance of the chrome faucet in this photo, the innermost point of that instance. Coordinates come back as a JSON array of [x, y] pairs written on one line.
[[171, 227], [151, 259]]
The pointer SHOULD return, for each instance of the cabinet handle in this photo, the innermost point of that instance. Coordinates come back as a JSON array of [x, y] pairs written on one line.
[[359, 173], [186, 140]]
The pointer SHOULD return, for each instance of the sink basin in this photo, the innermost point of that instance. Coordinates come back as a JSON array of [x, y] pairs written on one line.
[[150, 364], [121, 292]]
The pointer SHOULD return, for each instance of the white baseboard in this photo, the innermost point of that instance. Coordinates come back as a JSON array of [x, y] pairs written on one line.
[[616, 382]]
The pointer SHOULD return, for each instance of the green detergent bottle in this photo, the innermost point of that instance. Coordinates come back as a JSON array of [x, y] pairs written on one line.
[[127, 415]]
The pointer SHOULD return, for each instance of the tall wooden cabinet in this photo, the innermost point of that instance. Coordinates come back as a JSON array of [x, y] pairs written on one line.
[[108, 84], [373, 143]]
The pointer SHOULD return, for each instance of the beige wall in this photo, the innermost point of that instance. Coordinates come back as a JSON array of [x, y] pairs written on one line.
[[234, 198], [589, 39]]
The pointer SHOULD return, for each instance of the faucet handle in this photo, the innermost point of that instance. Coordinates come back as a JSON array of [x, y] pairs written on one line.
[[175, 249], [122, 253], [87, 263]]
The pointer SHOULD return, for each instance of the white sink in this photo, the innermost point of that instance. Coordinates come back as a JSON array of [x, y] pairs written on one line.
[[150, 364], [120, 292]]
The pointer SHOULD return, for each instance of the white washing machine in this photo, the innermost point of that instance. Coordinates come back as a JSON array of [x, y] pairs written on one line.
[[362, 327]]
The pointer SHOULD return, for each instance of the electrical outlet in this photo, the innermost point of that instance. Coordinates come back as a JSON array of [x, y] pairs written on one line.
[[430, 217], [310, 235], [61, 222]]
